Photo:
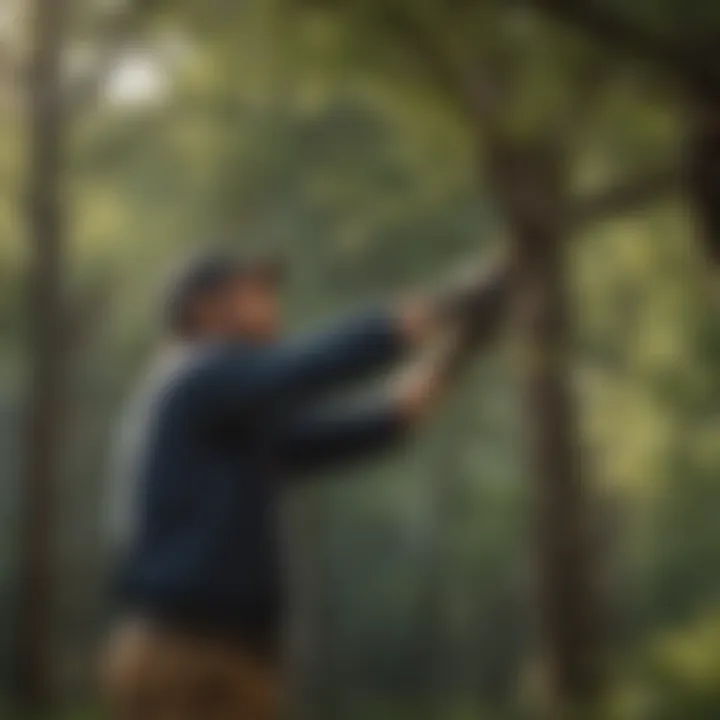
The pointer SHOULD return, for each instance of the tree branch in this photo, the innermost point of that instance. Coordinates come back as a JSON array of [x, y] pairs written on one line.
[[610, 27], [477, 98], [627, 197]]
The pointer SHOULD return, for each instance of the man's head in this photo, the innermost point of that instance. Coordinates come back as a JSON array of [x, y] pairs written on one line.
[[220, 295]]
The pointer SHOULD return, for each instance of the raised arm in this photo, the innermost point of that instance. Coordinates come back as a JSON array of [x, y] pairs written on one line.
[[318, 440], [474, 311], [282, 375], [321, 440]]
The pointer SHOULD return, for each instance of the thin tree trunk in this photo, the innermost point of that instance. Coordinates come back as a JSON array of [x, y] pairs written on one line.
[[45, 232], [531, 189]]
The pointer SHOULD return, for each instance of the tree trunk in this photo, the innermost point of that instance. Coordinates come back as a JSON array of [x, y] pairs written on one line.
[[44, 223], [530, 182], [566, 593]]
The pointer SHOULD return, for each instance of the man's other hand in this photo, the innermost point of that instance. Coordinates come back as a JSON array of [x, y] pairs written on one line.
[[420, 387]]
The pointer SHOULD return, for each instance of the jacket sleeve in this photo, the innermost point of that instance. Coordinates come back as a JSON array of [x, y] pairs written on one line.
[[317, 441], [276, 377]]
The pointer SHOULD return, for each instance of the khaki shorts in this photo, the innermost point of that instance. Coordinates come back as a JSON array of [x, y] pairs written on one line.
[[152, 674]]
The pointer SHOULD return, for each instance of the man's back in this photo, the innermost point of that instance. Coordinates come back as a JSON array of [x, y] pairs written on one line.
[[202, 546], [213, 434]]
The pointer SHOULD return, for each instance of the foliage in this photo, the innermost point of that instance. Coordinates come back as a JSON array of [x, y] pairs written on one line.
[[319, 128]]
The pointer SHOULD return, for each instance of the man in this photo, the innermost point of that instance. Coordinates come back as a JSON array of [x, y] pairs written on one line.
[[229, 415]]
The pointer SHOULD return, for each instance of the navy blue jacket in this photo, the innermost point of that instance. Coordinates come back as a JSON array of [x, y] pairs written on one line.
[[213, 439]]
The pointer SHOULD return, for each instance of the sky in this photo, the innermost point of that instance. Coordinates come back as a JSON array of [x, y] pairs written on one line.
[[137, 79]]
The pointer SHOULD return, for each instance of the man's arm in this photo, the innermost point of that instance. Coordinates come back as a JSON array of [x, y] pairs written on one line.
[[472, 310], [316, 441], [279, 376]]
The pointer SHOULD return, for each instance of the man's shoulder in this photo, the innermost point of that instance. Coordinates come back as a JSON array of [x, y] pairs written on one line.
[[203, 370], [185, 362], [210, 359]]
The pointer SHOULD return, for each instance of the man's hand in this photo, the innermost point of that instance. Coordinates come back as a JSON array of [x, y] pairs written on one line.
[[416, 393], [475, 303], [421, 386], [419, 320]]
